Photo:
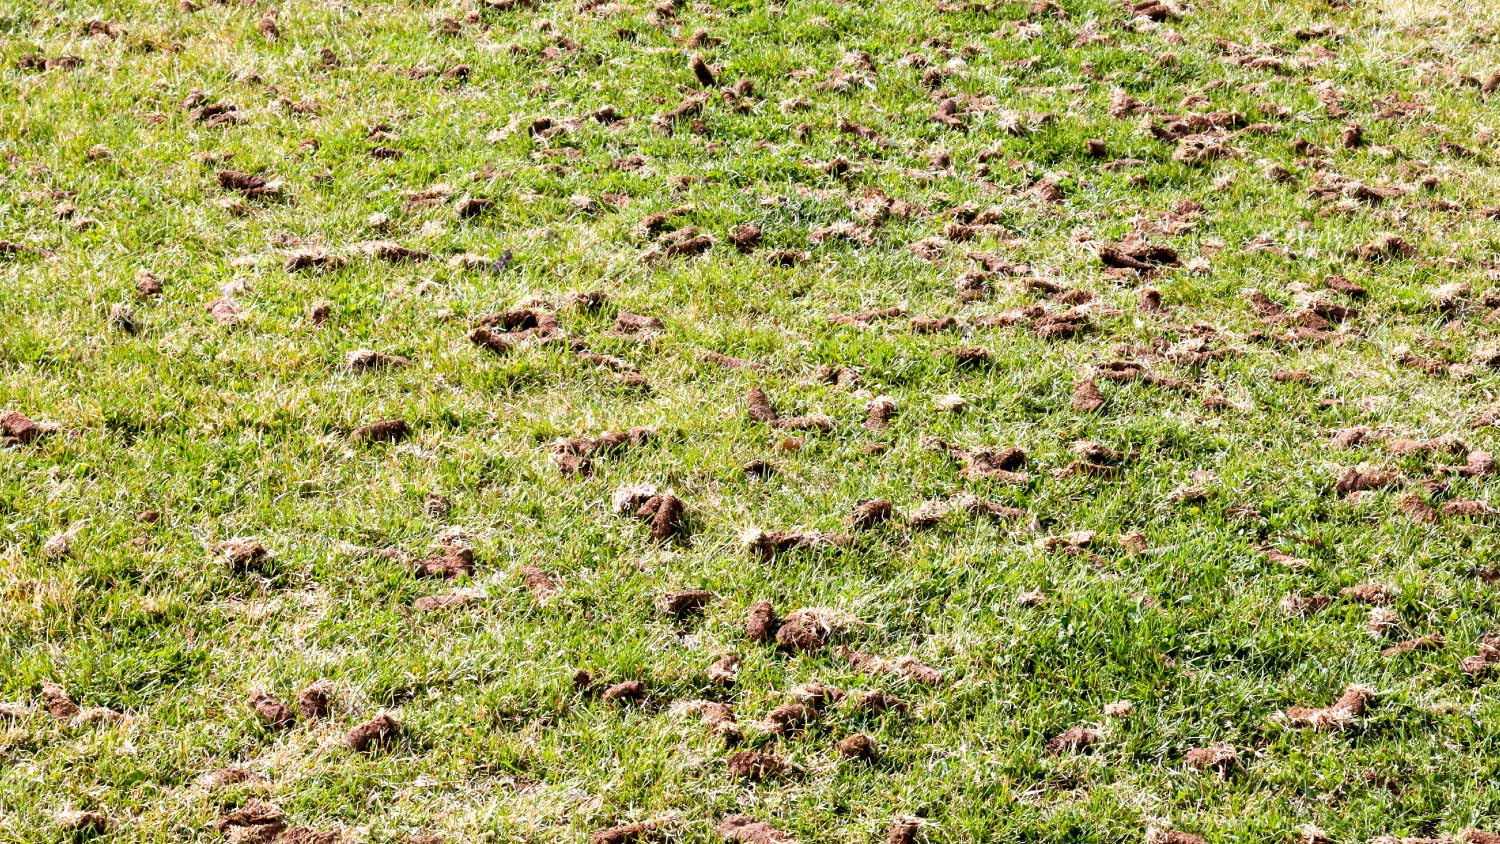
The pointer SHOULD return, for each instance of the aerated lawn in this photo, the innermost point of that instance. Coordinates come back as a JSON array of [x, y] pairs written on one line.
[[903, 420]]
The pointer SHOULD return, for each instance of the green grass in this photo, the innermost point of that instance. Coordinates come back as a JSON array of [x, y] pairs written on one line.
[[243, 431]]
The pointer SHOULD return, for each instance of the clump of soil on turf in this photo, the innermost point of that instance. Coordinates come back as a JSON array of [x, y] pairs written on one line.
[[1073, 740], [19, 429], [1340, 714], [576, 455], [1374, 594], [272, 711], [314, 701], [442, 603], [876, 701], [630, 833], [1302, 606], [768, 544], [58, 703], [868, 514], [245, 556], [684, 603], [1362, 480], [628, 691], [386, 431], [878, 413], [450, 562], [756, 765], [903, 831], [725, 670], [858, 746], [255, 822], [810, 629], [1487, 656], [1429, 642], [1220, 758], [538, 581], [761, 623], [747, 830], [930, 513], [667, 516], [369, 360], [377, 733]]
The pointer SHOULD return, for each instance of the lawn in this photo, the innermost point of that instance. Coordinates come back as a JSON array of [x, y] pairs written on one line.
[[752, 422]]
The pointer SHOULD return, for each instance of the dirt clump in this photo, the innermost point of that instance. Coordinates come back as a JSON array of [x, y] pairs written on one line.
[[256, 822], [1363, 480], [245, 556], [450, 562], [868, 514], [58, 703], [1385, 247], [725, 670], [18, 429], [272, 711], [576, 455], [1429, 642], [249, 184], [684, 603], [790, 717], [877, 701], [378, 732], [1220, 758], [807, 629], [1486, 656], [442, 603], [992, 462], [767, 544], [878, 413], [628, 691], [667, 516], [756, 765], [1137, 254], [1373, 594], [906, 667], [1086, 396], [761, 623], [538, 581], [1073, 740], [630, 833], [1304, 605], [1467, 508], [903, 831], [858, 746], [747, 830], [719, 718], [308, 835], [369, 360], [1341, 714], [931, 513], [314, 701], [386, 431]]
